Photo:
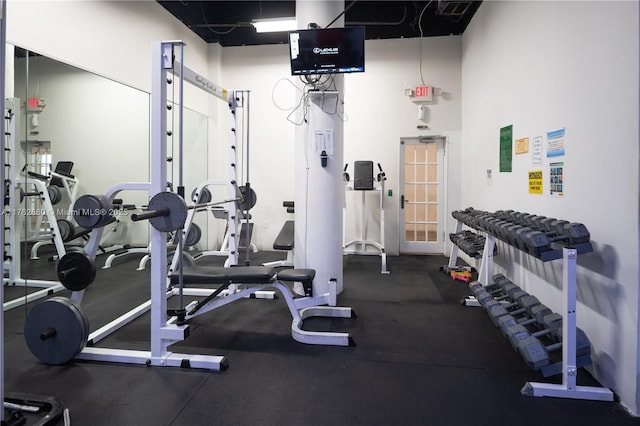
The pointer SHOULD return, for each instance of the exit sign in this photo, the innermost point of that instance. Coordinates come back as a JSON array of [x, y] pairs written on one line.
[[35, 104], [423, 93]]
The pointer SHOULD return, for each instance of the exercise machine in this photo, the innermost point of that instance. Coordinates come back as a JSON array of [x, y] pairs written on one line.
[[167, 212], [364, 182]]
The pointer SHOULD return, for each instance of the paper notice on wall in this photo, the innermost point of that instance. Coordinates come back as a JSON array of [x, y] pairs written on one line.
[[555, 143], [556, 179], [535, 181], [536, 150], [324, 141], [522, 146], [506, 148]]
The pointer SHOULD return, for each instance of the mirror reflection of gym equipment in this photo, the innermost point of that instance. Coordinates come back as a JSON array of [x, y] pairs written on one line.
[[364, 182]]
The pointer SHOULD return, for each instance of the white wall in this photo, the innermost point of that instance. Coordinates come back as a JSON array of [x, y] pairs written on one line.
[[542, 66], [108, 139], [375, 96], [109, 38], [376, 110]]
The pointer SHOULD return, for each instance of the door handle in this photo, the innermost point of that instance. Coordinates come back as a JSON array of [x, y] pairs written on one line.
[[402, 200]]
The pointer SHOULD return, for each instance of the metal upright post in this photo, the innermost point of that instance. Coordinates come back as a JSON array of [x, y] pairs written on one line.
[[3, 38], [568, 388], [486, 268]]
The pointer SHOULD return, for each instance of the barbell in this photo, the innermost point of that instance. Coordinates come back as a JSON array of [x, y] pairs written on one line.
[[166, 212]]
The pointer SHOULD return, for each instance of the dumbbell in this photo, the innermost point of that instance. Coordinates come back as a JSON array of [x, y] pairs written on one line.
[[499, 279], [550, 324], [490, 294], [572, 233], [524, 303], [493, 290], [536, 314], [535, 222], [536, 354]]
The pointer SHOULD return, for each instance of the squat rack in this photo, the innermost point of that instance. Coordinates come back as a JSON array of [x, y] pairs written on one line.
[[167, 59]]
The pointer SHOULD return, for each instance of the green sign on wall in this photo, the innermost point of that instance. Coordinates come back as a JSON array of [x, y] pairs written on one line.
[[506, 148]]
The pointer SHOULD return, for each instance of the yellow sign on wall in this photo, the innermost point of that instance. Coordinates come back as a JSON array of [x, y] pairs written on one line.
[[535, 181], [522, 146]]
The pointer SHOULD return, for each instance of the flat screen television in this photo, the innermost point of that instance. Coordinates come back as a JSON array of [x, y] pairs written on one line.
[[327, 51]]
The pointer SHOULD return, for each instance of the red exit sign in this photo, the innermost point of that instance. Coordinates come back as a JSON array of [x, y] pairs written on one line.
[[423, 92]]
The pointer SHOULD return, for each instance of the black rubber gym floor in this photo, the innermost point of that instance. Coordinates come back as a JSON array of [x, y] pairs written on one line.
[[421, 358]]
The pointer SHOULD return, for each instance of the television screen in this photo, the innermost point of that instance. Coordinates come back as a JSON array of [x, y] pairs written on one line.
[[327, 51]]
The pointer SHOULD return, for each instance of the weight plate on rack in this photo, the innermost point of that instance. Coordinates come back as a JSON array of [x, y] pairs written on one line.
[[92, 211], [66, 229], [193, 236], [203, 198], [177, 211], [56, 330], [76, 271], [250, 198], [55, 195]]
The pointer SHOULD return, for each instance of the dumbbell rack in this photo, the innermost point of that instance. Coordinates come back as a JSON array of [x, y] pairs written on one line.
[[487, 252], [568, 388]]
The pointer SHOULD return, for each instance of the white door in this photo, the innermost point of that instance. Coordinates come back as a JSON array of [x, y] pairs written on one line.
[[421, 199]]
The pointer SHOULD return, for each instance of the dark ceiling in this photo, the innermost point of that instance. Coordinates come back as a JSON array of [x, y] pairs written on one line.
[[229, 22]]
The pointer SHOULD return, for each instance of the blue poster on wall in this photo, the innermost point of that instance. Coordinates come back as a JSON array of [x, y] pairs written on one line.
[[555, 143]]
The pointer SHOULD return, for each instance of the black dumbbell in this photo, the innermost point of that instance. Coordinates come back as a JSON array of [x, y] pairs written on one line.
[[536, 314], [570, 233], [522, 305], [518, 332], [536, 354]]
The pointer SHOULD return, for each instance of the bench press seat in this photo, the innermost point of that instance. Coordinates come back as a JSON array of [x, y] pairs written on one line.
[[222, 275], [300, 308]]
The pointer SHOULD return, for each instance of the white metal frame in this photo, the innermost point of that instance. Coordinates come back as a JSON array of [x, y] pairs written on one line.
[[568, 387], [361, 244], [165, 331]]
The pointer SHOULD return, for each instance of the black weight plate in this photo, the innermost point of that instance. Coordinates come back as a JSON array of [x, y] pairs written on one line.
[[250, 198], [55, 196], [187, 259], [70, 330], [92, 211], [203, 197], [76, 271], [193, 236], [177, 211], [66, 229]]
